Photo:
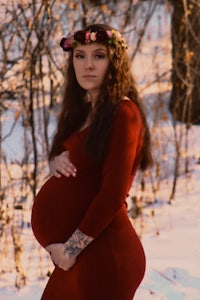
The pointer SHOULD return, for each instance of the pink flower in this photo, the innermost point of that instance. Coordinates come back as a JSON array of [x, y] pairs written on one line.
[[109, 33], [87, 37], [68, 42]]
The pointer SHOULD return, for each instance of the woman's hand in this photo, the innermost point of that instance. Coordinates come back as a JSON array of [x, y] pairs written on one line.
[[61, 165], [60, 257]]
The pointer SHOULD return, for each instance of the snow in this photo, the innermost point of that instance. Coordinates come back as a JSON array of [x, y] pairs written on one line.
[[169, 232], [173, 255]]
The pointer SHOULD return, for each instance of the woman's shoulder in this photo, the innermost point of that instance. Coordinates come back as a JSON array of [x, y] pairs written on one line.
[[127, 119], [127, 109]]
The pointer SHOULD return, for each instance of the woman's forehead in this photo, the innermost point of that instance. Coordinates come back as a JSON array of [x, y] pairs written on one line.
[[90, 47]]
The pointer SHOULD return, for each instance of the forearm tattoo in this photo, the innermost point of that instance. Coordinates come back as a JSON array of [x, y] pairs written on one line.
[[76, 243]]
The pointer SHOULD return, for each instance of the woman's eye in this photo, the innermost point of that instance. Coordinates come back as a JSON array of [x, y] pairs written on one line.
[[100, 56], [79, 56]]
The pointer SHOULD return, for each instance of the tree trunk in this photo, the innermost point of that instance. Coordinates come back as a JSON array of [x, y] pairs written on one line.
[[185, 97]]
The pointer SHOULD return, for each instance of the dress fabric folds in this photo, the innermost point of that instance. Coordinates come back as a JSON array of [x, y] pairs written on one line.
[[113, 265]]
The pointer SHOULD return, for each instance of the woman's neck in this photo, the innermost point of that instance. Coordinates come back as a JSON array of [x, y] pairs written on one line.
[[92, 97]]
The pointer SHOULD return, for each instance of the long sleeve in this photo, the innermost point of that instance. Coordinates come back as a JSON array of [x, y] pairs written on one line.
[[123, 153]]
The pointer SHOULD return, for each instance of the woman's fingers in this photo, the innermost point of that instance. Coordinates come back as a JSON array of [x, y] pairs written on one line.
[[56, 174], [48, 249], [68, 264], [65, 268], [53, 169], [65, 166], [70, 168], [61, 165], [67, 169], [59, 257]]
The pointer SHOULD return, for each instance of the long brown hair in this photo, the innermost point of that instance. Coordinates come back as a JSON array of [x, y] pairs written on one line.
[[117, 84]]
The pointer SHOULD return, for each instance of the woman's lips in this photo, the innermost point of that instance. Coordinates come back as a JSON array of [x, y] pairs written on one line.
[[89, 76]]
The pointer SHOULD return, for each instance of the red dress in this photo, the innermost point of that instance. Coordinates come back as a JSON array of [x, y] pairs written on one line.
[[113, 265]]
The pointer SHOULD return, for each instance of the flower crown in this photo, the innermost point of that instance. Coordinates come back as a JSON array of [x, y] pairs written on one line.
[[107, 37]]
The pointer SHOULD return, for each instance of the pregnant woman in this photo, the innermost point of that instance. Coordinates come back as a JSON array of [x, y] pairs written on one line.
[[80, 215]]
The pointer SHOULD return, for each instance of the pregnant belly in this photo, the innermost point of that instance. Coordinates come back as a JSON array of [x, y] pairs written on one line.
[[59, 207]]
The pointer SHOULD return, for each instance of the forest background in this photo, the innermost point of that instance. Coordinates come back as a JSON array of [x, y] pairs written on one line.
[[163, 39]]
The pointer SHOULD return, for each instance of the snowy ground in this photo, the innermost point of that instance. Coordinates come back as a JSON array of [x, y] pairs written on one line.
[[171, 238], [173, 255]]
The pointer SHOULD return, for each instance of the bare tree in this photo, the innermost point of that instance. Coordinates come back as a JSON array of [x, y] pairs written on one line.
[[185, 24], [32, 76]]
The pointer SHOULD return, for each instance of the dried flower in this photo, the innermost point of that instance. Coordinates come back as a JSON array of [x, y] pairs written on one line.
[[93, 36], [82, 37]]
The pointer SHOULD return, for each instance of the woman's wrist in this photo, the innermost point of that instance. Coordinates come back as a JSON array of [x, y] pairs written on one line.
[[77, 243]]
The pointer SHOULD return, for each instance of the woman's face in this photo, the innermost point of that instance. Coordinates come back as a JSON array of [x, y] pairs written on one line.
[[90, 65]]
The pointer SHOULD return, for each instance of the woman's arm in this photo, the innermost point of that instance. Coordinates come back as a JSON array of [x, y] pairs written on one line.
[[64, 255], [123, 153], [120, 163]]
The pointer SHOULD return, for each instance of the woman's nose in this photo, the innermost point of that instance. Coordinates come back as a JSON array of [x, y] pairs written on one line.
[[89, 63]]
